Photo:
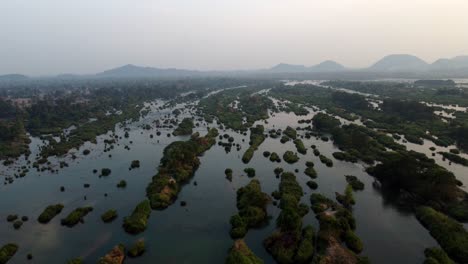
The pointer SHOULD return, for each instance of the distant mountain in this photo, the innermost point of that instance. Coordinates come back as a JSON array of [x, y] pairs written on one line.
[[457, 63], [283, 67], [399, 63], [327, 66], [13, 77], [130, 70]]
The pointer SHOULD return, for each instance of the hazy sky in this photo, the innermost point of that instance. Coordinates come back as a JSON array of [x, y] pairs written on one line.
[[85, 36]]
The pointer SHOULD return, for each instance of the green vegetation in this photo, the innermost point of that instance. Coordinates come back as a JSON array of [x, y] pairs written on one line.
[[12, 217], [135, 164], [250, 172], [313, 185], [76, 216], [185, 127], [109, 216], [354, 182], [454, 158], [345, 156], [137, 221], [450, 234], [178, 165], [325, 123], [274, 157], [290, 132], [310, 171], [75, 261], [300, 146], [115, 256], [241, 254], [13, 139], [436, 256], [7, 252], [346, 199], [290, 243], [256, 139], [428, 183], [228, 173], [137, 249], [122, 184], [251, 203], [325, 160], [290, 157], [231, 106], [105, 172], [17, 224]]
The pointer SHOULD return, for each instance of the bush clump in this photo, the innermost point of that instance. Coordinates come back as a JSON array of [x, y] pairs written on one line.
[[313, 185], [135, 164], [326, 161], [250, 172], [49, 213], [310, 171], [251, 203], [122, 184], [138, 220], [274, 157], [241, 254], [300, 146], [290, 157], [436, 256], [105, 172], [76, 216], [137, 249], [109, 216], [7, 252], [450, 234], [12, 217], [355, 183]]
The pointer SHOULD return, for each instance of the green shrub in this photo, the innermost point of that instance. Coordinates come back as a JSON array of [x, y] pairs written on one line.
[[7, 252], [76, 216], [241, 254], [274, 157], [105, 172], [436, 256], [290, 157], [109, 216], [310, 171], [122, 184], [353, 242], [250, 172], [326, 161], [450, 234], [355, 183], [137, 249], [49, 213], [135, 164], [138, 220]]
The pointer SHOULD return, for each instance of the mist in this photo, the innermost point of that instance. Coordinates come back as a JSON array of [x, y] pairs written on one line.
[[52, 37]]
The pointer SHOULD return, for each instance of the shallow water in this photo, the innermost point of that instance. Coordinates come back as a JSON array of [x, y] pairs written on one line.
[[199, 232]]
